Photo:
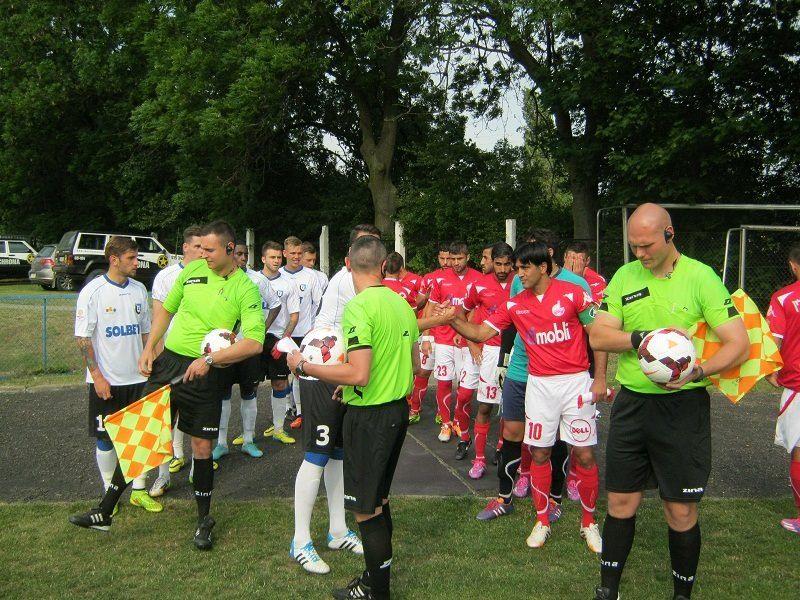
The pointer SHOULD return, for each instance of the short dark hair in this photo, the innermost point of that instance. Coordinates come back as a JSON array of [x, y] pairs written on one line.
[[270, 245], [222, 230], [309, 248], [367, 253], [534, 253], [487, 246], [365, 228], [458, 248], [243, 245], [118, 245], [394, 262], [501, 249], [293, 241], [794, 253], [547, 236], [444, 247], [577, 246], [190, 232]]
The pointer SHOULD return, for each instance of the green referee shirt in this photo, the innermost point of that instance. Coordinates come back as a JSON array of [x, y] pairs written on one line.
[[380, 319], [201, 301], [641, 301]]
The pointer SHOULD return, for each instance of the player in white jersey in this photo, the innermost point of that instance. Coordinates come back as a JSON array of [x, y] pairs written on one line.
[[246, 373], [310, 294], [162, 284], [112, 321], [273, 362], [309, 261], [322, 438]]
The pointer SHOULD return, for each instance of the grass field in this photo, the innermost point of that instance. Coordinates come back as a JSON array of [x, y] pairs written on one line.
[[440, 551]]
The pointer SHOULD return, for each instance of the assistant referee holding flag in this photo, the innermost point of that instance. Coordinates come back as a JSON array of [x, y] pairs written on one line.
[[660, 436], [212, 293], [380, 331]]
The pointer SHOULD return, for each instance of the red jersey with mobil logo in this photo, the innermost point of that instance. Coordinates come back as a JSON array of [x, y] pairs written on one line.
[[783, 317], [397, 287], [449, 288], [550, 327], [597, 283], [484, 297], [413, 282]]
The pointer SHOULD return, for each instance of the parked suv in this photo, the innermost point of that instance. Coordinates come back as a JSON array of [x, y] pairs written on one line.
[[80, 257], [42, 268], [16, 256]]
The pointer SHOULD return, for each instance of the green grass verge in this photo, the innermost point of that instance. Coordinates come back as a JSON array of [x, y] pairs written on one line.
[[440, 551]]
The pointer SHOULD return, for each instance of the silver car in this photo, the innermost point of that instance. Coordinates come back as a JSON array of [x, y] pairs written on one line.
[[42, 267]]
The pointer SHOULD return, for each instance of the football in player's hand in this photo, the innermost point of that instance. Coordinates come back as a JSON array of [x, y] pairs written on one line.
[[666, 355]]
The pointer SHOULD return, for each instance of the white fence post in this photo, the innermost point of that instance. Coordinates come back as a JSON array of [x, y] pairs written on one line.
[[250, 241], [399, 242], [324, 251], [511, 232]]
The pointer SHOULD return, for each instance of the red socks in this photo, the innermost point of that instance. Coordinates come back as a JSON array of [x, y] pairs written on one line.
[[481, 431], [525, 461], [541, 478], [418, 393], [588, 488], [463, 410], [443, 391], [794, 477]]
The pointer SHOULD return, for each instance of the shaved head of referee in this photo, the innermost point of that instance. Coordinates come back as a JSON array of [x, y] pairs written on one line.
[[660, 436], [380, 332]]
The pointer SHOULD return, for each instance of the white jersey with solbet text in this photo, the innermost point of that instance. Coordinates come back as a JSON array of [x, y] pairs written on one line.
[[114, 317], [339, 292], [286, 292], [309, 293]]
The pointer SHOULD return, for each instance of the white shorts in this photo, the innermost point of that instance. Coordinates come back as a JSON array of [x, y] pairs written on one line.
[[488, 392], [787, 427], [468, 372], [447, 363], [551, 405], [426, 362]]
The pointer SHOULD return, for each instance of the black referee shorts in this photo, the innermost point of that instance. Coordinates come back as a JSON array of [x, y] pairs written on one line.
[[322, 416], [373, 438], [199, 401], [660, 440], [99, 409], [272, 368], [247, 374]]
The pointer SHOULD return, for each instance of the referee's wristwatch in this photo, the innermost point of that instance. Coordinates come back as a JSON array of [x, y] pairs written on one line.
[[700, 374], [299, 368], [209, 360]]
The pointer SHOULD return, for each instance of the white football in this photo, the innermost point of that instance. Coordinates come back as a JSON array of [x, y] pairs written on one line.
[[666, 355], [217, 339], [323, 346]]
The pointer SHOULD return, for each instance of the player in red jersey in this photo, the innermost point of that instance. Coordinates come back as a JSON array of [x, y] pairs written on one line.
[[577, 259], [483, 299], [450, 288], [487, 266], [550, 316], [392, 269], [427, 350], [784, 321]]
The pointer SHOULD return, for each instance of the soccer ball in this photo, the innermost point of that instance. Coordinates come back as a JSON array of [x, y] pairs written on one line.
[[666, 355], [217, 339], [323, 346]]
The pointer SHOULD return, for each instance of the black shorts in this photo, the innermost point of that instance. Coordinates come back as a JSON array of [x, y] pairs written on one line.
[[199, 402], [322, 417], [514, 400], [660, 440], [247, 374], [273, 369], [99, 409], [373, 438]]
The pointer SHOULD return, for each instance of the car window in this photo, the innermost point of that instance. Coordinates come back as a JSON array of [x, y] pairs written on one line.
[[67, 240], [46, 251], [18, 248], [92, 241], [3, 249], [148, 245]]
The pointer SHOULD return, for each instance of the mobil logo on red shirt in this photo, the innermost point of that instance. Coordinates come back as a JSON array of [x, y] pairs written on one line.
[[557, 334]]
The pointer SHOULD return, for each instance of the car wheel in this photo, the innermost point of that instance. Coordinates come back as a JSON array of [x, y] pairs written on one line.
[[65, 283]]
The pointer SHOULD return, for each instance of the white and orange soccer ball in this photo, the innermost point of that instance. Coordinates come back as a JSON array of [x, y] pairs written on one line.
[[217, 339], [323, 346], [666, 355]]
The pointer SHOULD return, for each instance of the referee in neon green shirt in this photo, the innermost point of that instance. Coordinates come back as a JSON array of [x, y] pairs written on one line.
[[380, 332], [213, 293], [660, 436]]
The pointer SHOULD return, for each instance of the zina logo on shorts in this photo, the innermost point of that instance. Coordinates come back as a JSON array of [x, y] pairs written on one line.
[[697, 490], [559, 333]]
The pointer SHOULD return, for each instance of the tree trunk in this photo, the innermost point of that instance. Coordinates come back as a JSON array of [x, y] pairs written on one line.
[[384, 199], [584, 200], [379, 157]]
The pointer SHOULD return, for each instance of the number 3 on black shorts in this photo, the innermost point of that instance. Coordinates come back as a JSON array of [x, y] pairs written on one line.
[[323, 435]]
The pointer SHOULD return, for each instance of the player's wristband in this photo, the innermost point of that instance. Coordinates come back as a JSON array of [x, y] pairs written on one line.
[[426, 338], [636, 338], [299, 368], [701, 374]]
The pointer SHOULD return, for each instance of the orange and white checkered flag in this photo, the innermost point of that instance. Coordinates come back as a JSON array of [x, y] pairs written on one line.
[[142, 433]]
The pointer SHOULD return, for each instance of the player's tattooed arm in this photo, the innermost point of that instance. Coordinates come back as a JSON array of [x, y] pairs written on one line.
[[87, 352], [144, 338], [293, 318]]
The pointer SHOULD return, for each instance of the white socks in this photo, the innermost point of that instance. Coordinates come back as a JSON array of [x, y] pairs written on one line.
[[140, 483], [306, 486], [296, 395], [225, 416], [278, 412], [334, 490], [106, 463], [177, 441], [249, 410]]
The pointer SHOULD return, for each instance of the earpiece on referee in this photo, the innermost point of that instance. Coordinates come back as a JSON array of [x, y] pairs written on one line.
[[229, 249], [668, 235]]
